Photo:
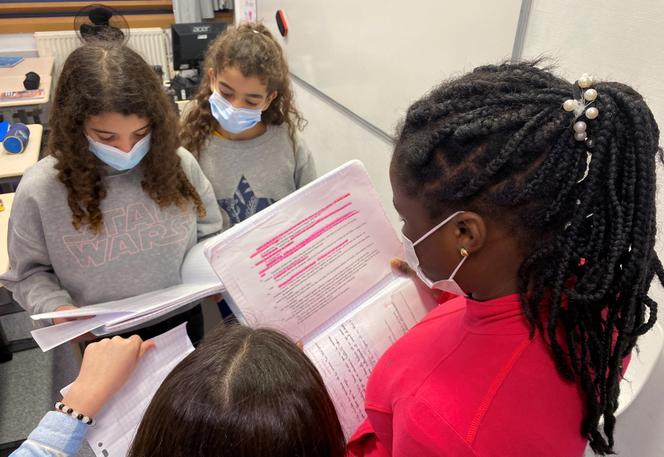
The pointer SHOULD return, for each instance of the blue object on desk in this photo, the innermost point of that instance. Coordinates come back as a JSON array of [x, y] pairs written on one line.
[[8, 62], [4, 128], [16, 139]]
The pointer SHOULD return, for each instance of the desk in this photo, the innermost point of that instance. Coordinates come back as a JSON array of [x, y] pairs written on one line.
[[13, 165], [11, 79], [15, 83], [43, 66], [7, 200], [7, 305]]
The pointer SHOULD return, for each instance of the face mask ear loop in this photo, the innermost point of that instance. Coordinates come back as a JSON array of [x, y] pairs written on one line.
[[464, 256], [437, 227]]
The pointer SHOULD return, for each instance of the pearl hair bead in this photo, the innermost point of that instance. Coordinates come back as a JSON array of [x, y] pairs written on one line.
[[569, 105], [585, 81], [590, 95], [581, 104], [592, 113], [580, 127]]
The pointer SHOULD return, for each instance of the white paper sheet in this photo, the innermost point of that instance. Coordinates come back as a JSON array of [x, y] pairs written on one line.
[[304, 259], [54, 335], [347, 352], [118, 421]]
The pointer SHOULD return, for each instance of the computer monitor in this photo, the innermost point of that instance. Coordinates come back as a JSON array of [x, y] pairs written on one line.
[[190, 42]]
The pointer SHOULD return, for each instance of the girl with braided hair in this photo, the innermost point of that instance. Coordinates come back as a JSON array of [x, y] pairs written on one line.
[[534, 199]]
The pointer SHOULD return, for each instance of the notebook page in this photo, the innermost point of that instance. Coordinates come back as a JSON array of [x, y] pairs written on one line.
[[304, 259], [118, 421], [347, 352]]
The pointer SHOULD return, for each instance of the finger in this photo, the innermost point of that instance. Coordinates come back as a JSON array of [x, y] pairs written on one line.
[[401, 266], [77, 318], [135, 340], [85, 337], [90, 347], [145, 347]]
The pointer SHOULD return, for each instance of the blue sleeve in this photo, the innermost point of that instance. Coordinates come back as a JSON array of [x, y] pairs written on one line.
[[57, 435]]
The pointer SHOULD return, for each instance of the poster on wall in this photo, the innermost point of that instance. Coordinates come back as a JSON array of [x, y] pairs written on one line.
[[245, 10]]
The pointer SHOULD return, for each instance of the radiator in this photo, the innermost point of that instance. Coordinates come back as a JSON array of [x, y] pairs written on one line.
[[150, 43]]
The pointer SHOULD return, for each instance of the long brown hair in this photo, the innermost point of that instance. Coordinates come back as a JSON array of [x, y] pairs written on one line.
[[251, 48], [105, 77], [241, 393]]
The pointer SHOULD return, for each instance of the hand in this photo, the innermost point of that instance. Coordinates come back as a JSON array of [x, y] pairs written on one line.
[[402, 267], [60, 320], [106, 367]]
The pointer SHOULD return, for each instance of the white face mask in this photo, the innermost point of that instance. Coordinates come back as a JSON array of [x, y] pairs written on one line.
[[446, 285], [119, 159], [232, 119]]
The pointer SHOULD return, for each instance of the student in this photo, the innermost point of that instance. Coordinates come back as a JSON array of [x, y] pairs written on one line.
[[536, 198], [241, 393], [243, 125], [112, 210]]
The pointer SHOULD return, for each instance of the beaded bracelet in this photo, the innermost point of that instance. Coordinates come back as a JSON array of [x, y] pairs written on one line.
[[73, 413]]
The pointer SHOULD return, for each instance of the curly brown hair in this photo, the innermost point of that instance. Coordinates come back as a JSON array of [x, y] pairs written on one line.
[[110, 78], [253, 50]]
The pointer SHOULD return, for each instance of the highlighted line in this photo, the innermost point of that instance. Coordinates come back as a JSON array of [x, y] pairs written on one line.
[[310, 239], [290, 267], [272, 252], [278, 237], [318, 221], [297, 273]]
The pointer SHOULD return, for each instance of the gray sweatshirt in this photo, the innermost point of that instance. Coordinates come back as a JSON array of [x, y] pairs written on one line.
[[139, 249], [249, 175]]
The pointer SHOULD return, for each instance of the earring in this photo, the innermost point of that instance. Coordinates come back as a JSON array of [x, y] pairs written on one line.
[[464, 252]]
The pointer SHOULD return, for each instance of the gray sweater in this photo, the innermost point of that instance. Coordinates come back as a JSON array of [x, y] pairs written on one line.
[[140, 248], [248, 176]]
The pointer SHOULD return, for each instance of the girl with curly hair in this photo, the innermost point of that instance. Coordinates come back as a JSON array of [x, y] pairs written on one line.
[[243, 124], [112, 210]]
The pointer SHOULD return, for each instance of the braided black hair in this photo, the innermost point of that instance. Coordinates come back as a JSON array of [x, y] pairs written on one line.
[[497, 141]]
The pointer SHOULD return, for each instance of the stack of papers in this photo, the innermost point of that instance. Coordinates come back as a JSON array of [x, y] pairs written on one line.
[[198, 281]]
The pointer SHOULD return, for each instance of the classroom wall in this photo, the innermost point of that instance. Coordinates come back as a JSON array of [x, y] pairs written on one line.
[[610, 39], [335, 138]]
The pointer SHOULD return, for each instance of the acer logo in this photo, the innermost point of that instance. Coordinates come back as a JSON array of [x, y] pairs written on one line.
[[201, 28]]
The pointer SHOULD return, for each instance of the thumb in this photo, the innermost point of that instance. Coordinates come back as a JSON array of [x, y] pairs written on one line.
[[401, 266], [145, 347]]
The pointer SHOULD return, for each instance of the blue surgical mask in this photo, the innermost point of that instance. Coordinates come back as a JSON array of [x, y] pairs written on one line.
[[119, 159], [446, 285], [231, 119]]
